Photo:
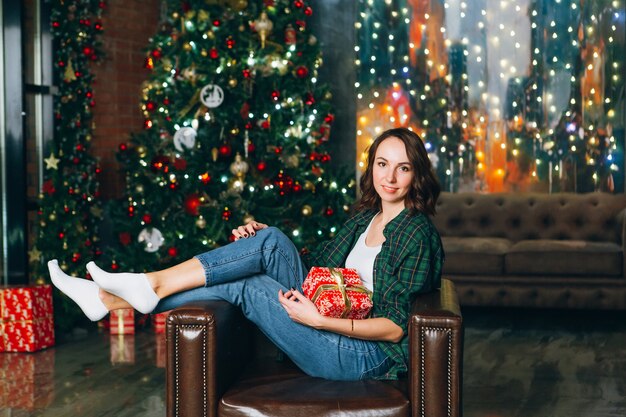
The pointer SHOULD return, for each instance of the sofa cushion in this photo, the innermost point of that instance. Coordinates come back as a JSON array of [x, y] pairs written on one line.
[[474, 255], [564, 257], [281, 390]]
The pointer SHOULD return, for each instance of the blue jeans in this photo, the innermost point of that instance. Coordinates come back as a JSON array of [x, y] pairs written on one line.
[[248, 273]]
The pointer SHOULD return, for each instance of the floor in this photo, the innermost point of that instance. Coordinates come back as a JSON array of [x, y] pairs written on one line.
[[517, 363]]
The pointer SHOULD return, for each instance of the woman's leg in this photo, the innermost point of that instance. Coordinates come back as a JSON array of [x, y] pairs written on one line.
[[269, 252], [316, 352]]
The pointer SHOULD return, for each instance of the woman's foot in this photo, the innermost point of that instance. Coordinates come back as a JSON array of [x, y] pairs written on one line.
[[134, 288], [83, 292]]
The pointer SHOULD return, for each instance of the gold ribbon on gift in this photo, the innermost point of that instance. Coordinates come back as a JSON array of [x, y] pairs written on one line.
[[337, 275]]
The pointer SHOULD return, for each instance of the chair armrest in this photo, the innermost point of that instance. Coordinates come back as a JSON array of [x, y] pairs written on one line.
[[436, 354], [208, 345]]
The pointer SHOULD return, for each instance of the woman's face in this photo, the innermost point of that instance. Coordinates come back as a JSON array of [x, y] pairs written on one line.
[[392, 172]]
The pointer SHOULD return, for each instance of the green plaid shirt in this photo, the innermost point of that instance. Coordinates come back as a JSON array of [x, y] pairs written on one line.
[[409, 263]]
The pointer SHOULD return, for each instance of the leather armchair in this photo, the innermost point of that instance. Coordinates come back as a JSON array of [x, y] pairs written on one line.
[[213, 368]]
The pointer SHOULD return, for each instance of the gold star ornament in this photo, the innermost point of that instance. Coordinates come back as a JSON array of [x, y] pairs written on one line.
[[52, 162], [34, 255]]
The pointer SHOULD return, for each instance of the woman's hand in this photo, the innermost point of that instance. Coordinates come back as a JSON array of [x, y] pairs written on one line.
[[299, 308], [248, 230]]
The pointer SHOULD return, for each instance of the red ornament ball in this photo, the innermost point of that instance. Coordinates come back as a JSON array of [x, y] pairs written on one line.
[[261, 166], [213, 53], [156, 53], [192, 204], [150, 106], [230, 42], [124, 238], [173, 251], [308, 11], [275, 95], [299, 4], [329, 211], [225, 150], [180, 164], [147, 218], [114, 266], [309, 99], [302, 71]]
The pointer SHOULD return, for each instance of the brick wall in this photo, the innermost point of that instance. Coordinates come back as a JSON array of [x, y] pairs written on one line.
[[128, 25]]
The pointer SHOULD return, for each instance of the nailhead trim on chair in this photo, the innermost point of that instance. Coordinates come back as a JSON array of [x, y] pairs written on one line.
[[423, 394], [204, 372]]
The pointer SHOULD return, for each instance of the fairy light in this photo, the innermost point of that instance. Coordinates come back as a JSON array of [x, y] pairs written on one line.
[[489, 37]]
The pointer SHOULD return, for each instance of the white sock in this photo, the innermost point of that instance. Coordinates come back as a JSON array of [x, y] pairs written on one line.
[[134, 288], [83, 292]]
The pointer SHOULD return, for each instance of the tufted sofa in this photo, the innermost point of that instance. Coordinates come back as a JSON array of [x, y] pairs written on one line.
[[535, 250]]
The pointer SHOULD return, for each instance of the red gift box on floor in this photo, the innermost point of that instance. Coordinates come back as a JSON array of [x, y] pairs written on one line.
[[338, 292], [26, 318], [122, 348], [27, 380], [122, 321], [158, 322]]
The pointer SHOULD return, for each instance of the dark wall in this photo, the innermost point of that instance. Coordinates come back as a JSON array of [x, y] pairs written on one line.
[[333, 23]]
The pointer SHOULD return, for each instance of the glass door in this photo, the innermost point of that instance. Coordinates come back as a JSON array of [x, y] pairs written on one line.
[[25, 127]]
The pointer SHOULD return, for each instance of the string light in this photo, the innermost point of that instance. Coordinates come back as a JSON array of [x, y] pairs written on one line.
[[483, 41]]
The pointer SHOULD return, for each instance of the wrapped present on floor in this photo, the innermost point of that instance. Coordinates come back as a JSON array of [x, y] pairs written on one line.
[[122, 348], [160, 355], [158, 322], [338, 292], [122, 321], [27, 380], [26, 318]]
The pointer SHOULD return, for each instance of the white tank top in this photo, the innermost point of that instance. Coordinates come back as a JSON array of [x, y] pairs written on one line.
[[362, 258]]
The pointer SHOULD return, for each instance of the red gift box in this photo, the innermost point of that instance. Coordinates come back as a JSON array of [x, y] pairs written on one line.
[[158, 322], [27, 380], [122, 348], [122, 321], [338, 292], [26, 318]]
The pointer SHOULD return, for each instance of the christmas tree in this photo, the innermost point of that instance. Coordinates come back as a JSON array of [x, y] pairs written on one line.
[[236, 128], [69, 207]]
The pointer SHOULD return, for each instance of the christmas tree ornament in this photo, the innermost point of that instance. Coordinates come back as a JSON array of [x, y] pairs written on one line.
[[307, 210], [200, 222], [142, 151], [225, 150], [232, 82], [301, 71], [212, 96], [263, 26], [192, 204], [69, 75], [52, 162], [214, 154], [290, 35], [185, 138], [239, 167], [152, 238]]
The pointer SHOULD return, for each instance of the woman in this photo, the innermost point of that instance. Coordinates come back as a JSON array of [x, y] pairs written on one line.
[[390, 241]]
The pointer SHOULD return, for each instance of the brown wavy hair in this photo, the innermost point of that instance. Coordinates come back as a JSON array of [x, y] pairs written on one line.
[[425, 189]]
